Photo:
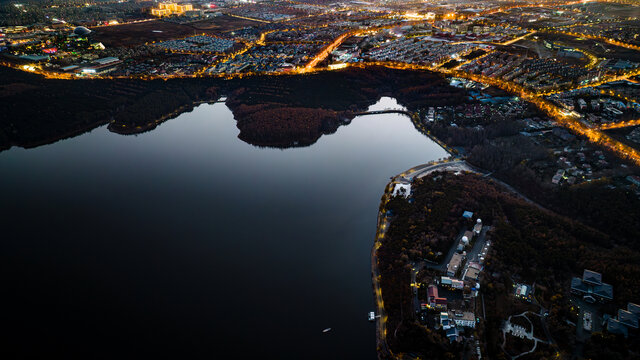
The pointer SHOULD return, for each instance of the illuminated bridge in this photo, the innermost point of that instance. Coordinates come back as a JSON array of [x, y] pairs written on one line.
[[385, 111]]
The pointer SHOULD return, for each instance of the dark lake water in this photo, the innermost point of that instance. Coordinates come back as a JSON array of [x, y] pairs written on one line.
[[185, 242]]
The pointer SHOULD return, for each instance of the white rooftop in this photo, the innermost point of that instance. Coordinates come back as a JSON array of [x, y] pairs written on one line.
[[402, 189]]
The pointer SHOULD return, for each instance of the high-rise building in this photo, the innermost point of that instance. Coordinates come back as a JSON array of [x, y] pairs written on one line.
[[171, 8]]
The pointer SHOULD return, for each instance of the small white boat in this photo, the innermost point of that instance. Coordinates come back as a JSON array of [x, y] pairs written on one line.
[[326, 330], [372, 316]]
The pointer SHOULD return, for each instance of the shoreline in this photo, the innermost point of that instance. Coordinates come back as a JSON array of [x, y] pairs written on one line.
[[123, 130], [450, 164], [382, 348]]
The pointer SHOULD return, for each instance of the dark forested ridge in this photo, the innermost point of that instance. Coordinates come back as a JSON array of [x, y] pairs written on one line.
[[37, 111], [612, 210], [275, 111], [282, 111], [530, 244]]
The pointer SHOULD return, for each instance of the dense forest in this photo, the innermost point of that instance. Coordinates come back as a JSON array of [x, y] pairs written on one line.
[[499, 148], [37, 111], [274, 111], [284, 125], [614, 211], [530, 244], [284, 110]]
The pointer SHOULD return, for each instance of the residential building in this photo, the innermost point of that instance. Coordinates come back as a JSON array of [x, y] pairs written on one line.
[[464, 319], [626, 319], [616, 327], [591, 287], [523, 292], [450, 283], [472, 274], [435, 301], [454, 264], [452, 334], [444, 320]]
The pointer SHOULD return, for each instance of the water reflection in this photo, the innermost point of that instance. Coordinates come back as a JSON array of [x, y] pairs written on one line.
[[187, 242]]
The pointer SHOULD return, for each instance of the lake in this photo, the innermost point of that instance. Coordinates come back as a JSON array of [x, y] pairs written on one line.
[[186, 242]]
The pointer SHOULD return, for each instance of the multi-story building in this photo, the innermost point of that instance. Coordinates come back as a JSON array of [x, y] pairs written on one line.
[[170, 8], [591, 287], [464, 319]]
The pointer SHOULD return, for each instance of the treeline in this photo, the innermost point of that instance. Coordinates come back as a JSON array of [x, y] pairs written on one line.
[[611, 347], [610, 209], [500, 149], [11, 15], [150, 106], [279, 126], [430, 93], [530, 244], [37, 111], [349, 89], [469, 137], [270, 110], [419, 230], [505, 153]]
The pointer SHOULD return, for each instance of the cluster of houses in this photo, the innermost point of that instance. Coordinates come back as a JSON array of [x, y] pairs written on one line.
[[591, 288], [424, 51], [596, 105], [625, 321], [261, 14], [537, 73], [198, 43], [634, 135], [459, 284], [611, 30], [472, 31], [168, 65], [325, 35], [97, 66], [269, 58], [451, 322], [576, 164]]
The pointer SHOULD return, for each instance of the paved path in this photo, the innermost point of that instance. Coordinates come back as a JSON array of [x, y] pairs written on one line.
[[521, 332], [451, 164]]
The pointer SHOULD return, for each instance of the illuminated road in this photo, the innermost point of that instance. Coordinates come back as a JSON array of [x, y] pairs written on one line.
[[425, 169], [326, 51], [619, 125], [381, 319], [449, 165], [124, 23], [618, 95], [598, 38], [625, 75], [562, 117], [518, 38], [248, 18], [383, 226], [472, 60]]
